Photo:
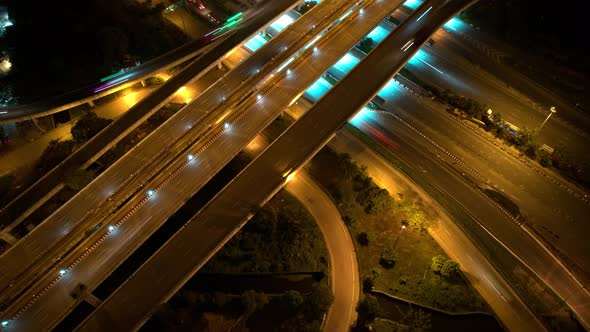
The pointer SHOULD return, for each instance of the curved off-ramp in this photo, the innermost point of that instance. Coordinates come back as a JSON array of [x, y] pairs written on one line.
[[343, 262]]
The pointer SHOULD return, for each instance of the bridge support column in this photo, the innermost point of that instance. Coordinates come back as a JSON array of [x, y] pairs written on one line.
[[143, 83], [92, 300], [91, 103], [220, 65], [9, 238], [36, 123]]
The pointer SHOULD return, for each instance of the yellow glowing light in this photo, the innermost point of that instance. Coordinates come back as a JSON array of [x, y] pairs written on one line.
[[290, 177]]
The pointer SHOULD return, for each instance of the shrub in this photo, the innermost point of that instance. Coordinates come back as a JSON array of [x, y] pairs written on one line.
[[545, 159], [388, 258]]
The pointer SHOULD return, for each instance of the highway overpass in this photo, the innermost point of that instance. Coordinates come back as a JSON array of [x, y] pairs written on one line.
[[182, 255], [34, 196], [164, 137]]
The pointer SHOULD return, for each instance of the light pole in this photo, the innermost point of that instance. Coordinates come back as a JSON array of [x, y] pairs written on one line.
[[398, 235], [553, 110]]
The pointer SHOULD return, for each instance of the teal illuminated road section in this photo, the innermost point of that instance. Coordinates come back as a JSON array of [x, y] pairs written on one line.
[[378, 34], [412, 4], [346, 63], [282, 22], [455, 24], [317, 90], [255, 43]]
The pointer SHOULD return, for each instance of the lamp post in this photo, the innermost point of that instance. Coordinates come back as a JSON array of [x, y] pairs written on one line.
[[398, 235], [553, 110]]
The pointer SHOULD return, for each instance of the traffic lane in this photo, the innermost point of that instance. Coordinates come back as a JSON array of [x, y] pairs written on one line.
[[514, 108], [343, 262], [164, 134], [116, 130], [492, 218], [514, 77], [544, 203]]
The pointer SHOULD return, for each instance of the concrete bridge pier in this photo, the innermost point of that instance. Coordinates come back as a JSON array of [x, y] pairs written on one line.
[[6, 236]]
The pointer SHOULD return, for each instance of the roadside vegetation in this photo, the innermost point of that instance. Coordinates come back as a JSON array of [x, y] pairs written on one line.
[[281, 238], [525, 139], [305, 7], [396, 254]]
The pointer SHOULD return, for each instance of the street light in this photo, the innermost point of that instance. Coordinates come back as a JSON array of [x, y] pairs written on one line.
[[400, 233], [553, 110]]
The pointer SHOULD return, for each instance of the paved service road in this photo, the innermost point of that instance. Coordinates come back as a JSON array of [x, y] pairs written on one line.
[[343, 260]]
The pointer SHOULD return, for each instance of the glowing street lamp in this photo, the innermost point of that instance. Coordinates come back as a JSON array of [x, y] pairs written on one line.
[[553, 110]]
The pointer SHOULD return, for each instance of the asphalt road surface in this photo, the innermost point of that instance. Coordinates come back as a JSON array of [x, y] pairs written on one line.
[[94, 148], [100, 255], [235, 204], [343, 261]]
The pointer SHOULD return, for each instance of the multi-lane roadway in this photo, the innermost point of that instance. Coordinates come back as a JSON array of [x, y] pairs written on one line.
[[141, 214], [181, 256], [234, 36]]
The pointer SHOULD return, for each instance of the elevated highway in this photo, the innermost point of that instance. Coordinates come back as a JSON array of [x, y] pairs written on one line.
[[204, 234], [23, 205], [215, 98]]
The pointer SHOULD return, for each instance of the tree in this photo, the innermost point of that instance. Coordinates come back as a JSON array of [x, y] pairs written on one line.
[[319, 300], [376, 200], [415, 218], [449, 269], [388, 258], [88, 125], [368, 309], [525, 137], [545, 159], [437, 263], [347, 165], [364, 238], [252, 301], [53, 154], [366, 45], [368, 284], [293, 300], [78, 179], [418, 320], [444, 266]]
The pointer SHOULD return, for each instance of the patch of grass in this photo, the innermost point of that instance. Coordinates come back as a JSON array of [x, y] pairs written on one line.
[[410, 276], [386, 325], [282, 237]]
